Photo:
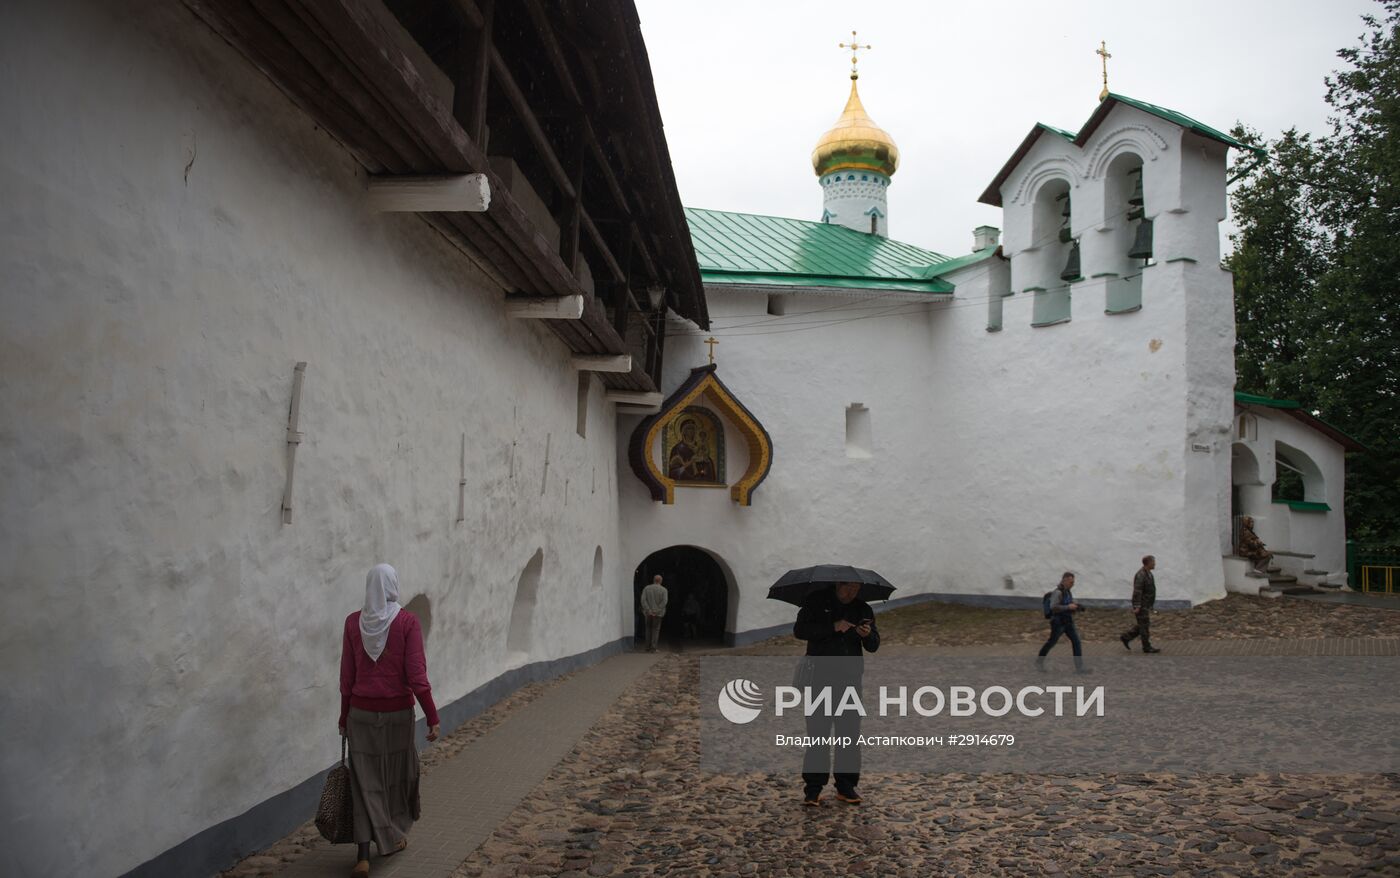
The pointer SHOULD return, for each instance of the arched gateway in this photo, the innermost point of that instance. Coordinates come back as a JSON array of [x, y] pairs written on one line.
[[700, 588]]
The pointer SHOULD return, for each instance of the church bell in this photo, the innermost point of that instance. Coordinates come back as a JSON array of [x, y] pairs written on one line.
[[1142, 240], [1136, 198], [1071, 271], [1142, 243]]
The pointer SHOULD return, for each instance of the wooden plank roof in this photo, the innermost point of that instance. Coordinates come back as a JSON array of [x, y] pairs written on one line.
[[425, 87]]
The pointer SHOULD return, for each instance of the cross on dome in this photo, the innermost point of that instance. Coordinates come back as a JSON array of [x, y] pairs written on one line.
[[854, 47], [1102, 52]]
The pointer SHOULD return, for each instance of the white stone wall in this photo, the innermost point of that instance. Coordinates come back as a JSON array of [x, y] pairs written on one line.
[[849, 196], [817, 505], [176, 236], [1021, 453], [1014, 454]]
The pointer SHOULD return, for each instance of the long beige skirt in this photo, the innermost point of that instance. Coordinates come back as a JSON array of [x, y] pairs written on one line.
[[383, 776]]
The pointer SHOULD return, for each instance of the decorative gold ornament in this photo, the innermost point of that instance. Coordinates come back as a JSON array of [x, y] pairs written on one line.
[[855, 142]]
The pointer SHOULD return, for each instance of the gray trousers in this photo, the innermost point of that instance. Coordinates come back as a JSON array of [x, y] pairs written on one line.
[[653, 631]]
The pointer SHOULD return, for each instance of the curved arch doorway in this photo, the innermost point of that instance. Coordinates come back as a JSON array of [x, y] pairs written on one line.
[[697, 605]]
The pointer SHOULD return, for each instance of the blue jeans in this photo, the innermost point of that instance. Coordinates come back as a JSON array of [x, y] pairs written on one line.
[[1063, 624]]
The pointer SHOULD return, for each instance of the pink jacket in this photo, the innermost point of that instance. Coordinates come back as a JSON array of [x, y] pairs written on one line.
[[391, 683]]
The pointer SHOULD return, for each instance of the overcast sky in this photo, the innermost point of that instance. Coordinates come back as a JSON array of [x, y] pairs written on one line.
[[746, 88]]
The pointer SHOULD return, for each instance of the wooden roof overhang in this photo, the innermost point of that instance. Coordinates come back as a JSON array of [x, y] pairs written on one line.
[[563, 88]]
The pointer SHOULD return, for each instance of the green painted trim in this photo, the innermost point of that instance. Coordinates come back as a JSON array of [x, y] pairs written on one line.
[[1104, 274], [1184, 121], [1050, 323], [1133, 310], [1181, 259], [994, 329], [1254, 399], [1348, 442], [1305, 505], [933, 287], [1034, 289]]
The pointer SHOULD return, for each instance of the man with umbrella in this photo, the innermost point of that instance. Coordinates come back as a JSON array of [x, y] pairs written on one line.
[[839, 627]]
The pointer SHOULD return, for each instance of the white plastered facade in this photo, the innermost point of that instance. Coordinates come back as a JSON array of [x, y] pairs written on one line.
[[1313, 537], [177, 236], [1000, 459]]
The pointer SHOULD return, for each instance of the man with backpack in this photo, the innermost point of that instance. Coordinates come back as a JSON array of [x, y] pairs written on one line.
[[1059, 607]]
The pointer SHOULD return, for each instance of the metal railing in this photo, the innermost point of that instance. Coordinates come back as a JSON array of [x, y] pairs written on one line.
[[1373, 569]]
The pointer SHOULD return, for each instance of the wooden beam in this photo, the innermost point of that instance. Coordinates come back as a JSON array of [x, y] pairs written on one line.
[[644, 252], [533, 129], [635, 397], [602, 247], [288, 52], [570, 214], [431, 194], [474, 73], [602, 362], [392, 67], [549, 40], [545, 307]]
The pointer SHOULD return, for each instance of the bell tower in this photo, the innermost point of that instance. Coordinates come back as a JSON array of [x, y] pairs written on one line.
[[854, 162]]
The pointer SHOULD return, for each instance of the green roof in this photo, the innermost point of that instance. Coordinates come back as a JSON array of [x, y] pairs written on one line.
[[1255, 399], [746, 248], [1172, 116], [1296, 410], [992, 194], [943, 269]]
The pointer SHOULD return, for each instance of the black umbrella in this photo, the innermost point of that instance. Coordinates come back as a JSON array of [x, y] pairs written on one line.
[[796, 585]]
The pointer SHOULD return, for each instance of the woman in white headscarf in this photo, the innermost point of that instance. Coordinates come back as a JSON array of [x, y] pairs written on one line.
[[382, 670]]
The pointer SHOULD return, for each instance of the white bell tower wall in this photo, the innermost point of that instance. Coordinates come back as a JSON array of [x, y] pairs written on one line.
[[856, 199]]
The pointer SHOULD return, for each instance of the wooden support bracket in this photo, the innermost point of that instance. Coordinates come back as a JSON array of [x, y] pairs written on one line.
[[545, 307], [293, 440], [641, 398], [448, 193], [462, 485], [602, 362]]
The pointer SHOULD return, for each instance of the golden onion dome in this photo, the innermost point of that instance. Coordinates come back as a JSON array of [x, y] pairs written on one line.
[[855, 142]]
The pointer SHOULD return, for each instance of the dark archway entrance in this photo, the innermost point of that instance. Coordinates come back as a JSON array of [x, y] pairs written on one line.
[[698, 596]]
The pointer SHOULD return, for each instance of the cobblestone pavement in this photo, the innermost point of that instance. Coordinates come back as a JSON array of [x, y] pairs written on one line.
[[629, 800], [1234, 617], [477, 779]]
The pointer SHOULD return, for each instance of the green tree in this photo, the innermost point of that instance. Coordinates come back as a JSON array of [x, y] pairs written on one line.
[[1317, 271]]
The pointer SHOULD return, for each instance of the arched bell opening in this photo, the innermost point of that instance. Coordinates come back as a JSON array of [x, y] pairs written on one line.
[[1128, 248], [1058, 262]]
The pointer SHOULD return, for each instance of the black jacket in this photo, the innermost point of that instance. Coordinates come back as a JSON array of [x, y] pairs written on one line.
[[816, 624], [1144, 590]]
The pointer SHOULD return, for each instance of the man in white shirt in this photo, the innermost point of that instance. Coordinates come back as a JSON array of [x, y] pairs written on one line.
[[654, 608]]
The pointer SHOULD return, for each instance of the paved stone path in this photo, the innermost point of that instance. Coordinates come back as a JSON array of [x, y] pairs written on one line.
[[468, 796], [1354, 598], [632, 801], [539, 759], [1322, 646]]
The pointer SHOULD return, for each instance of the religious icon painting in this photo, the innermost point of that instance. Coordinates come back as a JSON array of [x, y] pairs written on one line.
[[693, 447]]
